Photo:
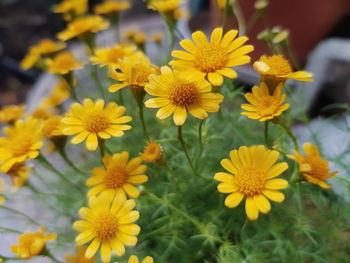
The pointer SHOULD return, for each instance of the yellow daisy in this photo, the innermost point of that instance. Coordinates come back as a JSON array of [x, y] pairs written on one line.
[[77, 7], [132, 72], [179, 93], [111, 6], [90, 121], [59, 94], [110, 56], [79, 257], [213, 59], [109, 223], [83, 25], [276, 67], [53, 127], [314, 168], [157, 37], [117, 176], [264, 106], [22, 142], [11, 113], [42, 113], [164, 5], [135, 259], [63, 63], [252, 171], [32, 244], [152, 152], [19, 174]]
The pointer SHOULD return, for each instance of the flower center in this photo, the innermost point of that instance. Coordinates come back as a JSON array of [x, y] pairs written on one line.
[[210, 58], [115, 54], [184, 94], [105, 226], [96, 123], [250, 180], [319, 166], [268, 106], [278, 63], [115, 177]]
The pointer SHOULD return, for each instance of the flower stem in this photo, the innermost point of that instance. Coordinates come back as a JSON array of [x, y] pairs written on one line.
[[69, 79], [31, 220], [266, 134], [101, 145], [47, 253], [291, 135], [142, 119], [48, 165], [200, 137], [99, 85], [63, 154]]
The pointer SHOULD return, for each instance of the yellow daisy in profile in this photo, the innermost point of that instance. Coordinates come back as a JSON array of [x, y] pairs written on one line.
[[111, 6], [53, 127], [83, 25], [22, 142], [63, 63], [109, 223], [212, 59], [42, 113], [32, 244], [132, 72], [79, 257], [59, 94], [314, 168], [277, 67], [152, 152], [178, 93], [264, 106], [252, 171], [77, 7], [164, 5], [110, 56], [19, 174], [135, 259], [118, 176], [90, 121], [11, 113]]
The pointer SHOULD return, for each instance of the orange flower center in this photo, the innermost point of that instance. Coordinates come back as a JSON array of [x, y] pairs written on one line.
[[268, 106], [184, 94], [278, 63], [115, 177], [319, 166], [250, 180], [210, 58], [96, 123], [105, 226]]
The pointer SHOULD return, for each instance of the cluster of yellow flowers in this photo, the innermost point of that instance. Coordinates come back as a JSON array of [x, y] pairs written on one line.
[[190, 84]]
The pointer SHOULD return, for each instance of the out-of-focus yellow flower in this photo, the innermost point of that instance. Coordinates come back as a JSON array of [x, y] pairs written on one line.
[[252, 171], [314, 168], [118, 176], [280, 37], [53, 127], [135, 259], [164, 5], [109, 223], [261, 4], [179, 13], [111, 6], [12, 113], [264, 106], [42, 113], [276, 67], [221, 3], [129, 34], [2, 199], [132, 72], [59, 94], [213, 59], [79, 257], [157, 37], [19, 174], [179, 93], [152, 152], [68, 7], [63, 63], [32, 244], [22, 142], [44, 47], [110, 56], [140, 37], [90, 121], [83, 25]]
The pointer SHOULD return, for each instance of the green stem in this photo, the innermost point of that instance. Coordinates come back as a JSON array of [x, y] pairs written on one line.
[[31, 220], [10, 230], [63, 154], [142, 119], [266, 134], [69, 78], [101, 145], [99, 85], [243, 230], [291, 135], [200, 137], [48, 165], [47, 253]]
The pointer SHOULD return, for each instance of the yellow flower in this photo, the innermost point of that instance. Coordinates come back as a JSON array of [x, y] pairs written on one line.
[[140, 37], [264, 106], [12, 113], [42, 113], [179, 13], [111, 6], [276, 67], [164, 5], [59, 94], [221, 3], [110, 56], [2, 199], [77, 7], [251, 174], [281, 37], [53, 127], [23, 142], [29, 60], [135, 259], [152, 152], [129, 34], [132, 72], [19, 174], [90, 121], [79, 257], [31, 244], [117, 176], [62, 63], [179, 93], [213, 59], [314, 168], [83, 25], [157, 37], [109, 223]]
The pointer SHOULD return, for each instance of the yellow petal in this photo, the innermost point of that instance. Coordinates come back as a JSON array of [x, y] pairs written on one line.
[[180, 115], [275, 184], [233, 199], [251, 209], [92, 142], [262, 203], [92, 248], [274, 195]]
